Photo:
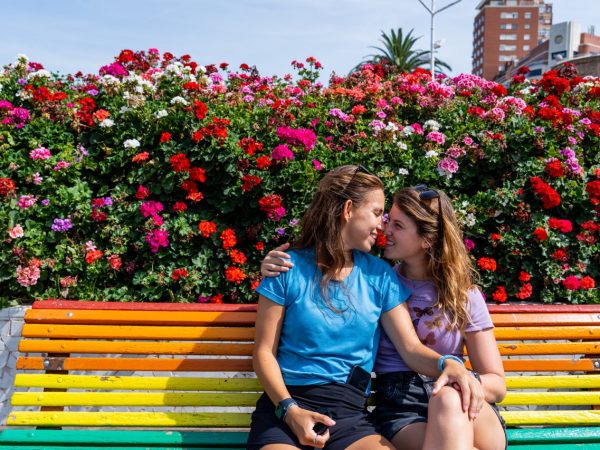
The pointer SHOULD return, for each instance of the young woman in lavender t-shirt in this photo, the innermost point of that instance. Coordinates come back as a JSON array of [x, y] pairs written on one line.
[[448, 312]]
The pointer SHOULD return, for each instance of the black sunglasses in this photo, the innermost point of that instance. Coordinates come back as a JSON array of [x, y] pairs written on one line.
[[426, 193], [359, 169]]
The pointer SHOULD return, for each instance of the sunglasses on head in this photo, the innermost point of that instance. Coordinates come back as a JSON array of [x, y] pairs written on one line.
[[359, 169], [426, 193]]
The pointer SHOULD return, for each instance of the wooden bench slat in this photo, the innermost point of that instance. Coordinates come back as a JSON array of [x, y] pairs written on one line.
[[536, 319], [135, 347], [127, 419], [553, 381], [141, 306], [136, 364], [547, 348], [548, 365], [132, 399], [112, 317], [173, 419], [552, 434], [137, 382], [551, 398], [137, 332], [550, 333], [124, 437], [562, 417]]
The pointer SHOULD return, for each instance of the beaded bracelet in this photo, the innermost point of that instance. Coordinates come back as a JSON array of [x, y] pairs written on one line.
[[443, 359]]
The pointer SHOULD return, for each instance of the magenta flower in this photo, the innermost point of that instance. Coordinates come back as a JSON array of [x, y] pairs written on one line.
[[40, 153], [282, 152], [437, 137], [26, 201], [156, 239]]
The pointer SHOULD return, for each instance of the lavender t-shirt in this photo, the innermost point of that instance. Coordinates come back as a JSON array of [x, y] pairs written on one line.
[[431, 326]]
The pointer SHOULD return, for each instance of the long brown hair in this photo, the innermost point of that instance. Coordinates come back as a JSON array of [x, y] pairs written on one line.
[[322, 222], [448, 261]]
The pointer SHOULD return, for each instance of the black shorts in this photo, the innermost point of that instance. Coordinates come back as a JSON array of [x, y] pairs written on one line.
[[402, 398], [345, 404]]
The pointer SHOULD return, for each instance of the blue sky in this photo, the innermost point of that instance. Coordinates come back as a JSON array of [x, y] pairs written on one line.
[[72, 35]]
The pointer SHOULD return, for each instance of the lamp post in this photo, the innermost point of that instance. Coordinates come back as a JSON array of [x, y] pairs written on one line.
[[432, 13]]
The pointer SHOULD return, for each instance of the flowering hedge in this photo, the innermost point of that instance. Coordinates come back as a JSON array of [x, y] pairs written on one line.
[[163, 180]]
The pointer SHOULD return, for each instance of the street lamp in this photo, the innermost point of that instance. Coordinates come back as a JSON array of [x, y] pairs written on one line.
[[432, 13]]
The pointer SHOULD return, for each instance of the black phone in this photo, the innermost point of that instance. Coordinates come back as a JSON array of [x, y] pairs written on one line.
[[359, 378]]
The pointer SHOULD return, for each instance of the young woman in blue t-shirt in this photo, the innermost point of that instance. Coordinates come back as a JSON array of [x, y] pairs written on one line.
[[317, 328]]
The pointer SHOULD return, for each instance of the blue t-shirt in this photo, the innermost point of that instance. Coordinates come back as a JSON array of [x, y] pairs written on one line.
[[318, 345]]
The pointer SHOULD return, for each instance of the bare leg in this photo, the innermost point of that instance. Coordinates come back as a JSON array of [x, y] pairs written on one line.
[[448, 427], [374, 442], [410, 437], [278, 447], [489, 434]]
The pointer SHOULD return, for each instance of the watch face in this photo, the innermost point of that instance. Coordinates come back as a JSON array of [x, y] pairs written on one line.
[[558, 39]]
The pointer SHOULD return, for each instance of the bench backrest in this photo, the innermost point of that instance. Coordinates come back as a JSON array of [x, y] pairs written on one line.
[[180, 365]]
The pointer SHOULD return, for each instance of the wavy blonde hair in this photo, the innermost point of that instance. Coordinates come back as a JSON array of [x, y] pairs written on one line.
[[321, 224], [449, 263]]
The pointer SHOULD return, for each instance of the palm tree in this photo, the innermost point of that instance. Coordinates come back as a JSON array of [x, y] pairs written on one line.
[[398, 53]]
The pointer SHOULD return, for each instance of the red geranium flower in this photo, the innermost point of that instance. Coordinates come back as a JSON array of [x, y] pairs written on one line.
[[228, 238], [235, 275], [555, 169], [217, 298], [180, 163], [593, 190], [545, 192], [179, 207], [525, 291], [142, 193], [524, 276], [93, 256], [540, 234], [249, 182], [207, 228], [7, 186], [198, 174], [487, 264], [165, 137], [564, 226], [200, 110], [571, 283], [587, 282], [178, 274], [560, 255], [263, 162], [140, 157], [237, 257], [499, 294]]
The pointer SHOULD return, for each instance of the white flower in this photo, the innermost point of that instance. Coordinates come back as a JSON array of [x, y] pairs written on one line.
[[402, 171], [131, 143], [39, 73], [179, 100], [22, 57], [109, 80], [431, 125], [391, 126], [160, 114], [470, 220], [402, 145], [124, 109], [431, 154], [407, 131], [107, 123]]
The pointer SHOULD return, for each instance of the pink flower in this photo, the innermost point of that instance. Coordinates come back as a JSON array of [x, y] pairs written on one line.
[[26, 201], [150, 208], [282, 152], [40, 153], [317, 164], [61, 165], [447, 167], [16, 232], [437, 137], [28, 275], [469, 244], [156, 239]]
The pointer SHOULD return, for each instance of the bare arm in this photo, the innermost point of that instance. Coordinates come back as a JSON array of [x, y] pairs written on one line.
[[399, 328], [485, 360], [269, 321]]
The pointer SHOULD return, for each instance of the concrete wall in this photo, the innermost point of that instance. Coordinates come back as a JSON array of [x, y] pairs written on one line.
[[11, 322]]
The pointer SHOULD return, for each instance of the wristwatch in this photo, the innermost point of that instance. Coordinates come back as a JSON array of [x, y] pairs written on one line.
[[476, 375], [283, 407]]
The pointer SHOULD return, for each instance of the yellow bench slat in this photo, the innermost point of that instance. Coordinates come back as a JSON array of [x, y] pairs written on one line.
[[132, 399], [553, 381], [137, 383], [563, 417], [551, 398], [127, 419]]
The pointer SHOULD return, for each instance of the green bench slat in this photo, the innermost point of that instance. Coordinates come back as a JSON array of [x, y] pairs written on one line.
[[523, 436], [229, 439]]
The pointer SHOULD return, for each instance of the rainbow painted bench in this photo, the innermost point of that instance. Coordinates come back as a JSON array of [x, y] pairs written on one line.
[[170, 376]]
